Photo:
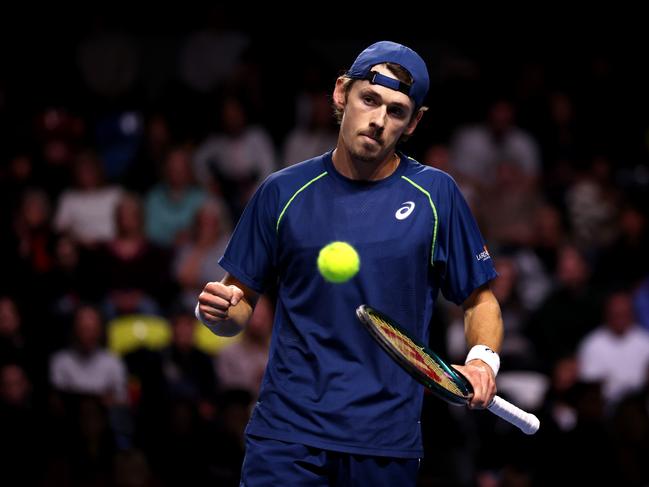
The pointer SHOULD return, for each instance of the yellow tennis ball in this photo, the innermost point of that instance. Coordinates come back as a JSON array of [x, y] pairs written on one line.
[[338, 262]]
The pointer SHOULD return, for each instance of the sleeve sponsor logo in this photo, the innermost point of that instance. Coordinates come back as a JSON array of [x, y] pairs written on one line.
[[484, 255]]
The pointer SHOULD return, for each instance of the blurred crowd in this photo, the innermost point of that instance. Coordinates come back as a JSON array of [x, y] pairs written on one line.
[[118, 198]]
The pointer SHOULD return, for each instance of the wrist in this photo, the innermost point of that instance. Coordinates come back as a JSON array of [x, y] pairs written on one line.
[[487, 355], [197, 313]]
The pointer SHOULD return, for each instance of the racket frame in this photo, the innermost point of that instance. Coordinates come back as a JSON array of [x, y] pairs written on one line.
[[364, 312]]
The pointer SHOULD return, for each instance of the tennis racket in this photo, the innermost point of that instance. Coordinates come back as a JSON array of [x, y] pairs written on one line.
[[431, 371]]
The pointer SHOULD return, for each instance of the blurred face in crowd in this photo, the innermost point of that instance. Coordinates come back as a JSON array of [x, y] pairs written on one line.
[[549, 231], [35, 209], [67, 253], [208, 224], [374, 118], [21, 167], [565, 373], [88, 329], [183, 331], [501, 116], [178, 171], [88, 172], [572, 269], [561, 108], [509, 176], [158, 131], [619, 313], [633, 223], [9, 318], [14, 386], [129, 216], [233, 116]]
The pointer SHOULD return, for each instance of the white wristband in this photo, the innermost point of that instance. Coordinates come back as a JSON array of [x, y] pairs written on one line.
[[487, 355], [197, 313]]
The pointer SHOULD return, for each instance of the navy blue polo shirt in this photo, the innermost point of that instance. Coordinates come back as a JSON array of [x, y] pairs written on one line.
[[327, 383]]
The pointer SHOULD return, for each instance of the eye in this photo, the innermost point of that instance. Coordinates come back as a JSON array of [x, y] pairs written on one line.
[[397, 112], [368, 100]]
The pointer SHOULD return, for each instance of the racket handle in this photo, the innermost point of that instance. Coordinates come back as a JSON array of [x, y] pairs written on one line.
[[526, 422]]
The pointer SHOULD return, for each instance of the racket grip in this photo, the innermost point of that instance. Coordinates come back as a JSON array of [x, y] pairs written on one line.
[[526, 422]]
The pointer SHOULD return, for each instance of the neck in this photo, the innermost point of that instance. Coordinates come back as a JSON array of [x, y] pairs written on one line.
[[363, 170]]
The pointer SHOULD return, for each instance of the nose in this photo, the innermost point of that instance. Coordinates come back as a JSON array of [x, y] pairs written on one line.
[[379, 115]]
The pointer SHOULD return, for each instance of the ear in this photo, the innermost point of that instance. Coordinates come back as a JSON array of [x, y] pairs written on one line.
[[339, 96], [412, 125]]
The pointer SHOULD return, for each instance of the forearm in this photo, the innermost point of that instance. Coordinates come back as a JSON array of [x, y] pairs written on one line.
[[483, 324], [483, 328]]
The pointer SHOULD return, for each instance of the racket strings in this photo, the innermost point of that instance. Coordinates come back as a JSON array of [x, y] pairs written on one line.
[[415, 355]]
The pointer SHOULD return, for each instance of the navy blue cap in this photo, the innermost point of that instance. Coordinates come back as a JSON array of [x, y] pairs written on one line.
[[391, 52]]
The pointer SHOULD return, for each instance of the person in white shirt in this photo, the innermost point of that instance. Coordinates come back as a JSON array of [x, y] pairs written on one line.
[[236, 159], [86, 367], [87, 211], [617, 352], [477, 151]]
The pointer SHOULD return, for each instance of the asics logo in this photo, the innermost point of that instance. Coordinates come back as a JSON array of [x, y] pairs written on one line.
[[404, 212]]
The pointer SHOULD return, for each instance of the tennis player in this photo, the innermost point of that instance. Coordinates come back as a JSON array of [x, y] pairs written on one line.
[[334, 409]]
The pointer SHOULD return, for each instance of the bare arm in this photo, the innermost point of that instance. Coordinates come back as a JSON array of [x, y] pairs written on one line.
[[225, 307], [483, 325]]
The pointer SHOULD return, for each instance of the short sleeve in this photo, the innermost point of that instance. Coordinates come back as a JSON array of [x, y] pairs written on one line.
[[461, 256], [250, 255]]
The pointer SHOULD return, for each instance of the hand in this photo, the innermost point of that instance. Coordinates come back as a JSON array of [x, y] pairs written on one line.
[[216, 300], [483, 381]]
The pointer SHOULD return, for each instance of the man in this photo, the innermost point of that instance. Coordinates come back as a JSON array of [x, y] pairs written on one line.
[[617, 352], [333, 408]]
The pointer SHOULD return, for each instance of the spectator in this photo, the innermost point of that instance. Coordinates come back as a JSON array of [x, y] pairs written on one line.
[[142, 174], [241, 365], [631, 430], [86, 367], [314, 138], [592, 206], [15, 180], [476, 152], [238, 159], [16, 344], [172, 204], [517, 352], [617, 352], [70, 282], [135, 272], [197, 261], [21, 441], [512, 204], [627, 259], [86, 213], [569, 312], [188, 372]]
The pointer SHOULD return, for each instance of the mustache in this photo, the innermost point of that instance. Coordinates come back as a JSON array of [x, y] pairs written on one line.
[[373, 134]]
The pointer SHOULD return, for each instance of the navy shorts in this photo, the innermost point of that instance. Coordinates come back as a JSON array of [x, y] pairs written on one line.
[[273, 462]]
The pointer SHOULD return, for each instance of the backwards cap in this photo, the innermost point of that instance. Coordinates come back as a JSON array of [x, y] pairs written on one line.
[[391, 52]]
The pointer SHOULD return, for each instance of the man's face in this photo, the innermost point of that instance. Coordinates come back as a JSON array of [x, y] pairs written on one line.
[[88, 328], [374, 118]]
